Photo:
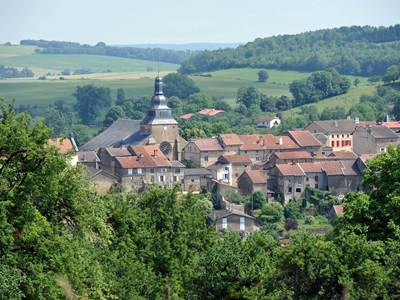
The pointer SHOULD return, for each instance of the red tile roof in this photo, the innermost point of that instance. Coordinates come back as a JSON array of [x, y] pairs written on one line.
[[252, 147], [304, 138], [133, 162], [332, 167], [152, 155], [236, 159], [311, 167], [343, 154], [186, 116], [392, 124], [231, 139], [211, 144], [290, 169], [293, 155], [210, 112], [256, 176], [278, 142], [63, 145], [249, 138]]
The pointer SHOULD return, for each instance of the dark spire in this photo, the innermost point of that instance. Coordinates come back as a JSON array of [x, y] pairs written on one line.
[[158, 86]]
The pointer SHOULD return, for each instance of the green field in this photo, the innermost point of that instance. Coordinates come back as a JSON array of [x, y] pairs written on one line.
[[20, 56], [346, 101]]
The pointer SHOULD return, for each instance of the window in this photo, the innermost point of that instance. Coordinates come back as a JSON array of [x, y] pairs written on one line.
[[161, 178], [226, 176], [192, 180], [342, 135], [163, 170], [316, 185], [175, 178], [139, 171], [130, 171], [236, 174], [333, 135], [206, 158], [152, 170], [289, 189], [226, 169], [337, 143], [307, 179], [383, 149], [242, 224], [337, 136], [152, 179], [298, 190], [257, 157], [177, 170], [343, 143], [224, 223], [316, 178], [333, 143]]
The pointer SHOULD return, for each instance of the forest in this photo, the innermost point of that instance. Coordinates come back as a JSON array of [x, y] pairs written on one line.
[[152, 54], [59, 239], [351, 50]]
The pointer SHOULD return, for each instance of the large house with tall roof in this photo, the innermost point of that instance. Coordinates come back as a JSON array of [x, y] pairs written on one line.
[[374, 139], [158, 128]]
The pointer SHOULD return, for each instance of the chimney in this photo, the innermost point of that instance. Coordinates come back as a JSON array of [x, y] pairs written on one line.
[[357, 120], [280, 140], [155, 153]]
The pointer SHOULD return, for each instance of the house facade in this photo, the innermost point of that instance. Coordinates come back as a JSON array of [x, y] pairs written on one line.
[[232, 220], [374, 139]]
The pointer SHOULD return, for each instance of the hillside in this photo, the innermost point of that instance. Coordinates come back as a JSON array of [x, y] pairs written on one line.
[[41, 64], [351, 50]]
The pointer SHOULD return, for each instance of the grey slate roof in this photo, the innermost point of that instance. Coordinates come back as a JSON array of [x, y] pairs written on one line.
[[88, 156], [380, 132], [340, 126], [197, 172], [222, 213], [120, 130]]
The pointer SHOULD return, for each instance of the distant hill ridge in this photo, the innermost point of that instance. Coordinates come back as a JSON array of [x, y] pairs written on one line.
[[152, 54], [357, 50]]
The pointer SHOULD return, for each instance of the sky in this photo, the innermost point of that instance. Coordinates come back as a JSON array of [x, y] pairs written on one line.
[[183, 21]]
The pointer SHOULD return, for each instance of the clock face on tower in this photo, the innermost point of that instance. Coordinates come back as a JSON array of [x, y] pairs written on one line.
[[165, 148]]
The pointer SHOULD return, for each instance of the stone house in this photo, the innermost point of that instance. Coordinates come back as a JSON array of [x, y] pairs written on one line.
[[339, 132], [287, 181], [231, 143], [203, 152], [251, 181], [89, 159], [196, 179], [232, 220], [306, 141], [107, 158], [287, 157], [274, 143], [374, 139], [228, 168], [268, 122]]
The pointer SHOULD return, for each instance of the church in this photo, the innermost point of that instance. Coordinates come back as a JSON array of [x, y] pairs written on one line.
[[157, 128]]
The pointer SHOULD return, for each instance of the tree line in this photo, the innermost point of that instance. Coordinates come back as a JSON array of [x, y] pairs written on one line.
[[10, 72], [352, 50], [153, 54], [60, 239]]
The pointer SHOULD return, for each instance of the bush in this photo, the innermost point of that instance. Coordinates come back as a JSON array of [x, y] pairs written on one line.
[[309, 220], [293, 210], [291, 224]]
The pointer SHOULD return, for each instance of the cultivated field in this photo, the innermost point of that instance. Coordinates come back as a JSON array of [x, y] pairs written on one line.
[[41, 64]]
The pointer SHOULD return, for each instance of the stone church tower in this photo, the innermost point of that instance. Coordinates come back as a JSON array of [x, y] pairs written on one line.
[[160, 124]]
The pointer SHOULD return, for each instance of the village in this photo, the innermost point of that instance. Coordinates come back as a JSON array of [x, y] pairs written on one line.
[[133, 155]]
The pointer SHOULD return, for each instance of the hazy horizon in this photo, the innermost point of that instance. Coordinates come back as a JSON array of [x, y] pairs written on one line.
[[157, 22]]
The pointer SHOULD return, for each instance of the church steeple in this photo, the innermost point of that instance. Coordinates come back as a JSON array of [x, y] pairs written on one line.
[[159, 113]]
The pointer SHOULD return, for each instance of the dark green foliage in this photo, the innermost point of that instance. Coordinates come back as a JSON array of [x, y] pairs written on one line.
[[58, 47], [248, 96], [320, 85], [262, 76], [293, 209], [91, 101], [120, 96], [392, 74], [351, 50], [10, 72], [115, 113], [216, 197], [179, 85]]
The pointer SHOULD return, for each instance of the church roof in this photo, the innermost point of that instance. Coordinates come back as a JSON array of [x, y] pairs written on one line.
[[120, 130]]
